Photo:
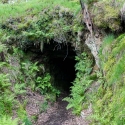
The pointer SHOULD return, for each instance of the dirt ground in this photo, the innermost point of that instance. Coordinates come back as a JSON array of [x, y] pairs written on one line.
[[42, 113]]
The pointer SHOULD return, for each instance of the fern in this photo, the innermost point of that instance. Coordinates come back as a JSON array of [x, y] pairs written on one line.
[[4, 82], [19, 89], [44, 85], [5, 120], [80, 84], [27, 121]]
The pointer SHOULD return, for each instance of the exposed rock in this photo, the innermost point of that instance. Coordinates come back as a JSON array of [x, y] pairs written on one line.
[[91, 43], [123, 13]]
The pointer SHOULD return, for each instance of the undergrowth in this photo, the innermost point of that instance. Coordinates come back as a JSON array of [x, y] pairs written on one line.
[[58, 23], [81, 83], [29, 25], [23, 25], [109, 101], [16, 75], [5, 120]]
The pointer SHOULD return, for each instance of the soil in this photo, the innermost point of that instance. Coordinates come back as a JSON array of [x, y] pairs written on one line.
[[41, 113]]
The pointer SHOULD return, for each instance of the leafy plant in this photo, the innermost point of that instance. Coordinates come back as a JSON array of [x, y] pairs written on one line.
[[27, 121], [29, 71], [21, 112], [4, 82], [44, 106], [6, 98], [19, 89], [80, 84], [6, 120], [44, 85]]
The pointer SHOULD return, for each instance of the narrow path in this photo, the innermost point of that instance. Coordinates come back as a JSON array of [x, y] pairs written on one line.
[[55, 114], [58, 115]]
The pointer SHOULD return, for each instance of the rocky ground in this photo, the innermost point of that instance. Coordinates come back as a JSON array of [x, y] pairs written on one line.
[[42, 113]]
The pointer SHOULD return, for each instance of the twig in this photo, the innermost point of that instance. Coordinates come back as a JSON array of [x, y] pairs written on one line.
[[58, 46]]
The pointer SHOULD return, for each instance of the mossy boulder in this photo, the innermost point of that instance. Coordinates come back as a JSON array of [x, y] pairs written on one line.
[[106, 15]]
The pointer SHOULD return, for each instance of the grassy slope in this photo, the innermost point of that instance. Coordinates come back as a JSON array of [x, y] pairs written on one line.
[[16, 10], [109, 101]]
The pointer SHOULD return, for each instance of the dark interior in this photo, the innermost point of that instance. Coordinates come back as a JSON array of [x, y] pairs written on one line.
[[61, 62]]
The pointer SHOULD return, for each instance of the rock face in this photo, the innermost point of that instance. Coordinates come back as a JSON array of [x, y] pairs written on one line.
[[91, 43], [123, 13]]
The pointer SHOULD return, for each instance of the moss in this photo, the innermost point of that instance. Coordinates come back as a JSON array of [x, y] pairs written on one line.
[[119, 47], [109, 103], [59, 24], [106, 16], [109, 63], [114, 66], [110, 12]]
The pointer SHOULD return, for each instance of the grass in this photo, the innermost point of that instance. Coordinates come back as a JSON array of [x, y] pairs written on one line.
[[33, 7]]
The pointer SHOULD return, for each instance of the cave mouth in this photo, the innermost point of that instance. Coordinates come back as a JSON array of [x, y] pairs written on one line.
[[61, 63]]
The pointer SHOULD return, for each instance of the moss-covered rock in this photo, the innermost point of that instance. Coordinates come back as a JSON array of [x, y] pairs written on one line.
[[106, 15]]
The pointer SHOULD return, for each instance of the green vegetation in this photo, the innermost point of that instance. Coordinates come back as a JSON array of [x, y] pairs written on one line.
[[14, 85], [7, 92], [32, 8], [58, 23], [80, 84], [19, 31], [24, 29], [4, 120], [106, 14], [105, 49], [44, 85], [108, 105]]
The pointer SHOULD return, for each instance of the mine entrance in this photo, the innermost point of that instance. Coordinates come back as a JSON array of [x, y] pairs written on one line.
[[61, 63]]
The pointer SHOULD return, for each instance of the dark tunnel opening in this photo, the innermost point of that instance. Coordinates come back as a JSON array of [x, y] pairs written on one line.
[[61, 63]]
